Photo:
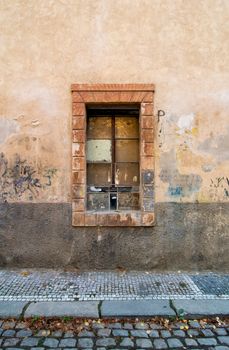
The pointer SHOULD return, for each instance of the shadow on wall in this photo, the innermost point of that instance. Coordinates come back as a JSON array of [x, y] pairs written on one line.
[[21, 179]]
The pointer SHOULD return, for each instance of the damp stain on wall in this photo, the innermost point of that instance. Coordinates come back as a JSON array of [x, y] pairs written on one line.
[[21, 180]]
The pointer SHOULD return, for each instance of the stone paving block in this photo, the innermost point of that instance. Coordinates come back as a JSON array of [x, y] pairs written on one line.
[[11, 342], [127, 342], [9, 333], [179, 333], [207, 332], [174, 343], [136, 308], [30, 342], [86, 334], [57, 334], [221, 347], [165, 334], [52, 308], [120, 333], [193, 332], [198, 308], [144, 343], [207, 341], [160, 344], [21, 325], [154, 334], [69, 334], [11, 308], [85, 343], [105, 332], [51, 343], [67, 343], [105, 342], [116, 325], [141, 325], [128, 325], [97, 325], [190, 342], [24, 333], [220, 331], [224, 340], [139, 333]]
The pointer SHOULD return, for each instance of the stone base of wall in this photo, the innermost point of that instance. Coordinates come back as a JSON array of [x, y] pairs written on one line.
[[189, 237]]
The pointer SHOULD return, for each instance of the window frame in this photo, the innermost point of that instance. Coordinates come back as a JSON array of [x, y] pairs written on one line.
[[83, 94]]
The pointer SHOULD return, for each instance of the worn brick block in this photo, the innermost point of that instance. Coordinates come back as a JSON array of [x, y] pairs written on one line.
[[78, 219], [88, 96], [113, 219], [146, 108], [90, 219], [147, 163], [148, 190], [107, 96], [76, 97], [147, 135], [78, 191], [147, 149], [78, 163], [78, 123], [78, 135], [125, 96], [148, 204], [102, 219], [78, 108], [78, 149], [148, 177], [78, 177], [147, 121], [137, 96], [78, 204], [148, 97]]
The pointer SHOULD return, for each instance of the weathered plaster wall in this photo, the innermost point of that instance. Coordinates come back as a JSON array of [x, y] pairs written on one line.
[[180, 46]]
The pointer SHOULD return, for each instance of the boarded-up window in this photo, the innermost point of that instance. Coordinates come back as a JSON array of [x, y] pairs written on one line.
[[112, 153]]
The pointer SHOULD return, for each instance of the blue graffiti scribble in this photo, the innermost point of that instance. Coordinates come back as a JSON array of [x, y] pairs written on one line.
[[175, 191]]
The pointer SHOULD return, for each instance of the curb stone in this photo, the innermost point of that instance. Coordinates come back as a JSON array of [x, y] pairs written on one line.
[[136, 308], [12, 308], [198, 308], [64, 308]]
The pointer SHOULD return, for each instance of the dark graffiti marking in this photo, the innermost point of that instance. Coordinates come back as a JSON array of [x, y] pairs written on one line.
[[220, 184], [22, 178]]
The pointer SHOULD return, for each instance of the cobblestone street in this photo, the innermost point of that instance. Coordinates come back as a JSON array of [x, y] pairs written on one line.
[[67, 333]]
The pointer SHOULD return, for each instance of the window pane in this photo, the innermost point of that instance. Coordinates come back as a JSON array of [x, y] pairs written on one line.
[[127, 150], [99, 151], [126, 127], [127, 174], [98, 201], [128, 201], [99, 128], [99, 174]]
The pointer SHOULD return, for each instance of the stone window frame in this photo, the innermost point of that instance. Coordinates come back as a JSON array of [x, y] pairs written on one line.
[[83, 94]]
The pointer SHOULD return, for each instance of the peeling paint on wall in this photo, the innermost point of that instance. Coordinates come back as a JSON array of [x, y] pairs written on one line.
[[7, 128], [179, 185]]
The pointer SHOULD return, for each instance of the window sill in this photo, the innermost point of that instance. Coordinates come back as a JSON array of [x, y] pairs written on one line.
[[115, 218]]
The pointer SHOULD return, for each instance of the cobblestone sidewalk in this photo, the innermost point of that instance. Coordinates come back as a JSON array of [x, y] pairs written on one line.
[[115, 335], [68, 286]]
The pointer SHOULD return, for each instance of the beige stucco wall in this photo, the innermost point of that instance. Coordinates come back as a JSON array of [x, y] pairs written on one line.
[[180, 46]]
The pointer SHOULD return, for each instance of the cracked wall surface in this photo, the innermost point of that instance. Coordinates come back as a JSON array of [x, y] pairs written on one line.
[[181, 47]]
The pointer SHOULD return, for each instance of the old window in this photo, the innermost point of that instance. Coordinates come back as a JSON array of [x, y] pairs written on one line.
[[112, 154]]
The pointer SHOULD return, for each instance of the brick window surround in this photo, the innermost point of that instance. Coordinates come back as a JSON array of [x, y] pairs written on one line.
[[83, 94]]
